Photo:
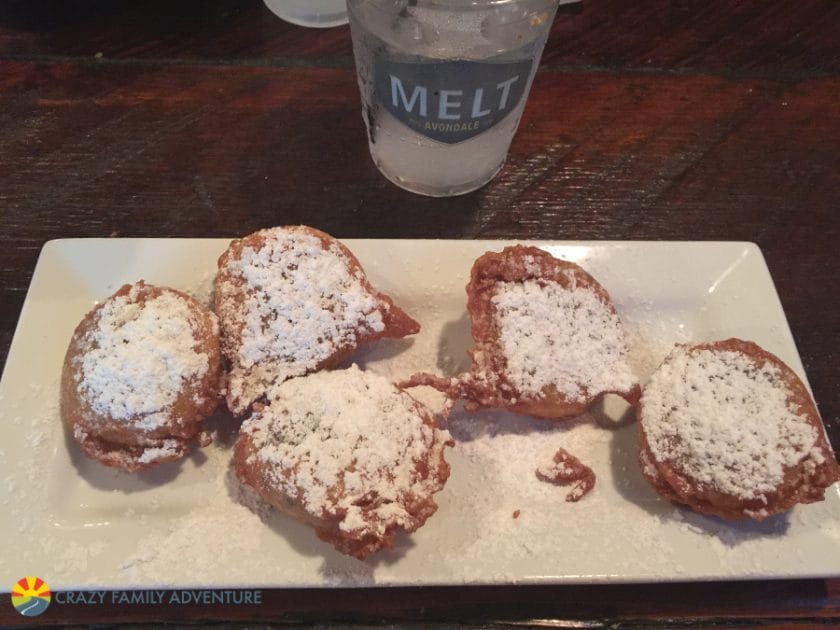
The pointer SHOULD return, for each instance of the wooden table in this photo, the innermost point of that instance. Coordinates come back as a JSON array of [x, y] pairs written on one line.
[[710, 120]]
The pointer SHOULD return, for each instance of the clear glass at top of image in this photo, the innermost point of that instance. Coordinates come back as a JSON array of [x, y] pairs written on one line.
[[313, 13], [444, 83]]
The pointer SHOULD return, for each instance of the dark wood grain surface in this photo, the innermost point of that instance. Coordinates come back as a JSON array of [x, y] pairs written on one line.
[[658, 120], [812, 602], [787, 38]]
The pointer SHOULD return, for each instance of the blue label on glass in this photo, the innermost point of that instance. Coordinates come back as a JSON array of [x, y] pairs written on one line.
[[450, 101]]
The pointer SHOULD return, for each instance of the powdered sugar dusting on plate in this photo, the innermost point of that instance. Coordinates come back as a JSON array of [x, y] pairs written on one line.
[[222, 531], [26, 491], [186, 524]]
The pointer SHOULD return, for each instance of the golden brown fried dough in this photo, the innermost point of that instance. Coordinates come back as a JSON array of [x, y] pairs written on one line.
[[348, 453], [728, 429], [142, 371], [548, 341], [564, 469], [293, 300]]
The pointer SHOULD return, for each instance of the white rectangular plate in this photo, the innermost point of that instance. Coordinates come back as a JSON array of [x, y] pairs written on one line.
[[78, 524]]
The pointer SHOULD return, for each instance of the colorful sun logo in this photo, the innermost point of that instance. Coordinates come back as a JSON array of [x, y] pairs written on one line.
[[31, 596]]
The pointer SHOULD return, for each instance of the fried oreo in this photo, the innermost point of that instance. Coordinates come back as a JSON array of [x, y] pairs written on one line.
[[347, 452], [293, 300], [548, 340], [141, 373], [728, 429]]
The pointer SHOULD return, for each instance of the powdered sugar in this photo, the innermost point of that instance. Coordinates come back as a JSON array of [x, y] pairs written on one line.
[[168, 449], [221, 531], [724, 421], [302, 303], [187, 526], [141, 355], [351, 445], [561, 337], [500, 452]]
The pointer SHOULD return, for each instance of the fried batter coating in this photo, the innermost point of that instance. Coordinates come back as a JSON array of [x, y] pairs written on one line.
[[348, 453], [548, 341], [563, 469], [141, 373], [728, 429], [293, 300]]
